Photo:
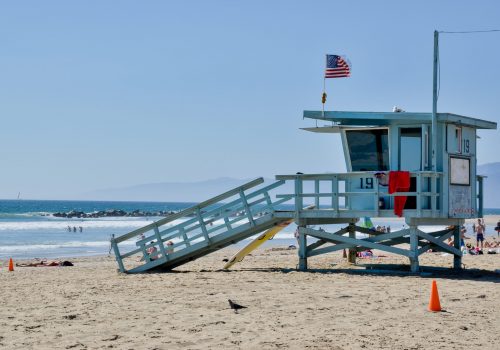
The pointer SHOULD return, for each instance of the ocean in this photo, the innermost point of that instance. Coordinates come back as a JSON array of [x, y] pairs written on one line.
[[28, 228]]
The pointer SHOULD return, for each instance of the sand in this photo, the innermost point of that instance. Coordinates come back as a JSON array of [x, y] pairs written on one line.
[[92, 306]]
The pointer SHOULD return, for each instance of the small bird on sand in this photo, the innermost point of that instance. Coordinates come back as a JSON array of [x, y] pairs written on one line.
[[235, 306]]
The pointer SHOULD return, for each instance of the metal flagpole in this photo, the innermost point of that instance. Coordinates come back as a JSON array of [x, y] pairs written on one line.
[[323, 97], [434, 100]]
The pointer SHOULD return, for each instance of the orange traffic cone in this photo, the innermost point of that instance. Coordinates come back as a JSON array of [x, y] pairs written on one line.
[[11, 265], [434, 304]]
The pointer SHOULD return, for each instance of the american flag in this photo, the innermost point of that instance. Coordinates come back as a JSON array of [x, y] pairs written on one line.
[[336, 67]]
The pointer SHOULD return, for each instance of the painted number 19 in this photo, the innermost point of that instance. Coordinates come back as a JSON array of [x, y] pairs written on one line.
[[465, 147], [366, 182]]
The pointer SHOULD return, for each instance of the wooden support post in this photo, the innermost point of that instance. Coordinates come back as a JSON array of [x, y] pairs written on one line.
[[351, 257], [184, 236], [117, 254], [202, 225], [160, 242], [480, 196], [302, 250], [298, 197], [316, 192], [335, 195], [414, 249], [457, 259], [228, 225], [247, 208]]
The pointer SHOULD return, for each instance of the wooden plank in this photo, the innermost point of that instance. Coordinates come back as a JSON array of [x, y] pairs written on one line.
[[315, 245], [428, 246], [160, 243], [439, 243], [202, 225], [354, 241], [316, 190], [184, 236], [247, 208], [298, 196], [390, 238], [335, 190], [117, 254]]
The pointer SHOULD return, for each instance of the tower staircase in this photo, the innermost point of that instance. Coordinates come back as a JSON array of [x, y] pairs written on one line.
[[202, 229]]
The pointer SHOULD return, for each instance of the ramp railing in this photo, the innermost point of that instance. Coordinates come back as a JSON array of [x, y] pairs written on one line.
[[207, 226]]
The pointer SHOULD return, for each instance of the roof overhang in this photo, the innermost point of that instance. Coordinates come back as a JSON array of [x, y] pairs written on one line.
[[343, 118]]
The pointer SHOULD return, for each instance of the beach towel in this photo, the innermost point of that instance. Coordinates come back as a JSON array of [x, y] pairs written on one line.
[[399, 181]]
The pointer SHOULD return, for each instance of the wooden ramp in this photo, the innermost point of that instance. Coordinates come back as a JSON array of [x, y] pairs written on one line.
[[201, 229]]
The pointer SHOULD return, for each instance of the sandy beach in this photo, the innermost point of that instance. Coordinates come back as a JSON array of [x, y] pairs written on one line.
[[92, 306]]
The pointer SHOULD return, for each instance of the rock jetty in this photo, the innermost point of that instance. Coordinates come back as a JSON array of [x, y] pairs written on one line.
[[111, 213]]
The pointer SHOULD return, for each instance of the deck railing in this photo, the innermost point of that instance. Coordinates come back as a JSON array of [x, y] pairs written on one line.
[[345, 195]]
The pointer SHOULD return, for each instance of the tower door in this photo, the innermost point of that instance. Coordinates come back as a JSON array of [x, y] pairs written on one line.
[[410, 157], [410, 149]]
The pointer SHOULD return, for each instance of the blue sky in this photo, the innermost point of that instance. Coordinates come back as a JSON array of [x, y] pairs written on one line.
[[98, 94]]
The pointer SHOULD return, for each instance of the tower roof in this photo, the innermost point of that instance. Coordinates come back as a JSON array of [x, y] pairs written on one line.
[[345, 118]]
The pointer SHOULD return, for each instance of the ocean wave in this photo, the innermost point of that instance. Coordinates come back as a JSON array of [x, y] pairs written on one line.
[[49, 246], [86, 224]]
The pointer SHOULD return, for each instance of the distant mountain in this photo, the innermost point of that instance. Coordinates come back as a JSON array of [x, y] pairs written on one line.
[[491, 184], [203, 190], [167, 191]]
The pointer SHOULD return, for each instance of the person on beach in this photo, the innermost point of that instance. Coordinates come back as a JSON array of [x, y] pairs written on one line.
[[463, 231], [81, 229], [152, 251], [479, 229], [69, 228], [170, 248], [74, 228], [498, 229], [45, 264]]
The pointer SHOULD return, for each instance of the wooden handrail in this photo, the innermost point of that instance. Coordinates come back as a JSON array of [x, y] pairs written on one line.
[[190, 210]]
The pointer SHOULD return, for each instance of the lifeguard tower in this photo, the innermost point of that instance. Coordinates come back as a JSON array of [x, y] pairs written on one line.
[[377, 144], [421, 166], [440, 187]]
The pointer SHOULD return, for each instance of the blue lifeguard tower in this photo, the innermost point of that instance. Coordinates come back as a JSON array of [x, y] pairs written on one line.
[[442, 188], [418, 165]]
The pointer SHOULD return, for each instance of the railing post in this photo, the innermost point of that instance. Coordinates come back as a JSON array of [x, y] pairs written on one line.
[[202, 225], [184, 236], [160, 242], [480, 196], [419, 196], [298, 197], [434, 194], [247, 208], [268, 199], [117, 254], [228, 225], [316, 191], [335, 192]]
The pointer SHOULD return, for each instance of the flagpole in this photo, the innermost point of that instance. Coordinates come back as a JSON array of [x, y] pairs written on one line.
[[434, 101], [323, 97]]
